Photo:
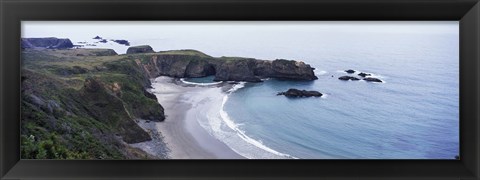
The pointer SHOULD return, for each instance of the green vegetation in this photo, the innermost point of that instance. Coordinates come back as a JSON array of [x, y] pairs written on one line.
[[83, 107], [189, 52]]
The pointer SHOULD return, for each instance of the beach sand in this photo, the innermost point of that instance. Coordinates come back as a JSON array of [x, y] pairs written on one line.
[[182, 133]]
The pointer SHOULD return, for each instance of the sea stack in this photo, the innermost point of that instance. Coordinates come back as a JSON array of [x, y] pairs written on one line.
[[300, 93]]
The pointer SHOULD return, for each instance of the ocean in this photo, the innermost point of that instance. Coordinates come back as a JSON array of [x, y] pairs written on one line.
[[413, 114]]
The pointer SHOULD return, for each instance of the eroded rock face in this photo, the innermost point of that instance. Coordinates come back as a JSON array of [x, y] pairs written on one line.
[[285, 69], [225, 69], [50, 43], [140, 49], [300, 93], [199, 68], [236, 70]]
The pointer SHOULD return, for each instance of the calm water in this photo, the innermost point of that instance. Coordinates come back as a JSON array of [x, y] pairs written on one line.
[[413, 115]]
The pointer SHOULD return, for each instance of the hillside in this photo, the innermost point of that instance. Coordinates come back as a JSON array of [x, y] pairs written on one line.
[[83, 106]]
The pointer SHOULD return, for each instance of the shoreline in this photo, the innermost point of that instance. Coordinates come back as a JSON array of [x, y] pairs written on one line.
[[182, 133]]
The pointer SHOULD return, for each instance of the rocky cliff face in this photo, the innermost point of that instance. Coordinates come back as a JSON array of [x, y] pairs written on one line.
[[236, 70], [51, 43], [285, 69], [231, 69]]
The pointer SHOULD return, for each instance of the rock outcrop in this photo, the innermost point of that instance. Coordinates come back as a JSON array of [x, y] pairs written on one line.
[[123, 42], [140, 49], [231, 69], [284, 69], [346, 78], [300, 93], [236, 70], [50, 43], [350, 71], [371, 79], [364, 74]]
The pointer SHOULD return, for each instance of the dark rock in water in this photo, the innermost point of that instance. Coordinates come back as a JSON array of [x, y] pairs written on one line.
[[97, 37], [364, 74], [346, 78], [121, 41], [370, 79], [234, 82], [50, 43], [103, 41], [140, 49], [350, 71], [300, 93]]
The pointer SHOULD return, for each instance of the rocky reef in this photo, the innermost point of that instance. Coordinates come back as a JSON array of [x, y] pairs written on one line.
[[361, 74], [346, 78], [122, 42], [364, 74], [300, 93], [50, 43], [371, 79], [350, 71]]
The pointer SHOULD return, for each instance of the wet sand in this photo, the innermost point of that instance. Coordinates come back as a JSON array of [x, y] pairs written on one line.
[[182, 133]]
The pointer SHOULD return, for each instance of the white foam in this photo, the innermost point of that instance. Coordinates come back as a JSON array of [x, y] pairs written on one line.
[[236, 87], [376, 76], [235, 127], [320, 72], [199, 84], [324, 96], [229, 122]]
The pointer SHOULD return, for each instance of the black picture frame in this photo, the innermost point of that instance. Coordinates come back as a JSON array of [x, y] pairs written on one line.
[[12, 12]]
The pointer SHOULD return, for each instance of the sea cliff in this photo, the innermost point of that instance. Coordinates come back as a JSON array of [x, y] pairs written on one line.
[[85, 103]]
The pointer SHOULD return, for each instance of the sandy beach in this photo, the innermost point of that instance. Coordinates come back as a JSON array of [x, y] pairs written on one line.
[[182, 133]]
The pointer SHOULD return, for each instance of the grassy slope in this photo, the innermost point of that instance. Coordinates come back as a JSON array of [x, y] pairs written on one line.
[[64, 117]]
